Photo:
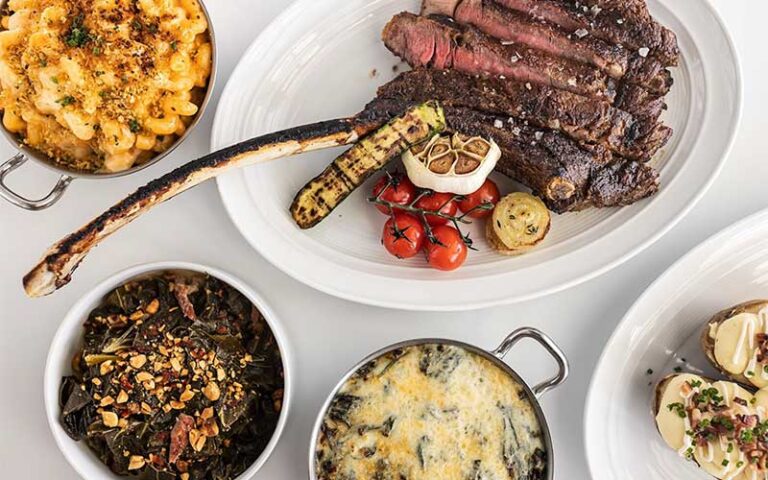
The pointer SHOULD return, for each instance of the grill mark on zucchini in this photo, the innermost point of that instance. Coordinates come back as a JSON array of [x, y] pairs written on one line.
[[325, 192]]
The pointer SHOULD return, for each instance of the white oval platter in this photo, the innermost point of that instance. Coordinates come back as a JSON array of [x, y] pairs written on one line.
[[323, 60]]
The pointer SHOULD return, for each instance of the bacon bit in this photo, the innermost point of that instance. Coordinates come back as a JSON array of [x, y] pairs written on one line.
[[686, 388], [740, 401], [180, 437], [182, 292]]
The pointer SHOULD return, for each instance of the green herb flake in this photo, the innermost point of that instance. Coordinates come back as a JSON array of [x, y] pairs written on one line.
[[134, 125], [78, 34], [678, 408], [65, 101]]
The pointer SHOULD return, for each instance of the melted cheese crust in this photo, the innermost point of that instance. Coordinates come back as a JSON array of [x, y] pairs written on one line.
[[429, 412], [102, 85]]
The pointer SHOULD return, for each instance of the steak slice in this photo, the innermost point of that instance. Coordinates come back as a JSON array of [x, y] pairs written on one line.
[[565, 175], [579, 117], [512, 26], [626, 25], [427, 42], [645, 106]]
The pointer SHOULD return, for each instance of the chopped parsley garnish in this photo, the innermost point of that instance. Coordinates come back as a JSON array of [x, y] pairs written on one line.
[[64, 101], [678, 369], [739, 464], [725, 462], [134, 125], [695, 383], [730, 447], [174, 45], [78, 34], [649, 371]]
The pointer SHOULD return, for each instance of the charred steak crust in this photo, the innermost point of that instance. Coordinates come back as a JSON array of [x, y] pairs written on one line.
[[440, 43], [579, 117], [568, 178]]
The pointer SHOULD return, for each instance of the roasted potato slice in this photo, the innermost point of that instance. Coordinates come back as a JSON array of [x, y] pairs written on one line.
[[519, 222], [734, 341]]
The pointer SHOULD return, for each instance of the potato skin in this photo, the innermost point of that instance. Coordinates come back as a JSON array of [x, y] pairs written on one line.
[[658, 394], [708, 344]]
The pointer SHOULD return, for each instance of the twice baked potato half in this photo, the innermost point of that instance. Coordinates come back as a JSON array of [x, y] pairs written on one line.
[[735, 341], [721, 426]]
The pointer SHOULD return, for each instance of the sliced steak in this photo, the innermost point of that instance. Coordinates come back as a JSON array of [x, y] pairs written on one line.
[[579, 117], [513, 26], [645, 106], [626, 25], [565, 175], [427, 42]]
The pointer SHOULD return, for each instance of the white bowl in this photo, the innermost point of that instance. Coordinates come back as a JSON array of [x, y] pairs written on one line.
[[69, 336]]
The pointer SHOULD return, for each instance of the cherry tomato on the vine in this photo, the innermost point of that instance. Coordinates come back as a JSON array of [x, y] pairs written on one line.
[[487, 194], [397, 188], [403, 235], [434, 202], [449, 251]]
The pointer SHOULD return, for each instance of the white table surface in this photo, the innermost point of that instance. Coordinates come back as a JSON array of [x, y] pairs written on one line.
[[329, 335]]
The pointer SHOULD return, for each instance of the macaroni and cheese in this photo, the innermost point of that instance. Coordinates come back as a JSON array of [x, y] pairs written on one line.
[[102, 85]]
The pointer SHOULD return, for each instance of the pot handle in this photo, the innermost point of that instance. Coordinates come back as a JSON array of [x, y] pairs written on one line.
[[23, 202], [549, 345]]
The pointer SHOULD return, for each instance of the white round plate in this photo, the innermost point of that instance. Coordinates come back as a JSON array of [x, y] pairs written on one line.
[[323, 60], [661, 333]]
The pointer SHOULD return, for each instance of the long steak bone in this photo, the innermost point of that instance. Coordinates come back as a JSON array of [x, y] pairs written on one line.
[[57, 265], [581, 118], [427, 42], [513, 26]]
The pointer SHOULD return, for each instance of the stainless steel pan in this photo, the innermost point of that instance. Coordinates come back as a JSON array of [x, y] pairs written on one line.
[[496, 357], [66, 176]]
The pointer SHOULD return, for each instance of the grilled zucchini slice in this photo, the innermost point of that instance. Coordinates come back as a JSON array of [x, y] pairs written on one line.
[[326, 191]]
